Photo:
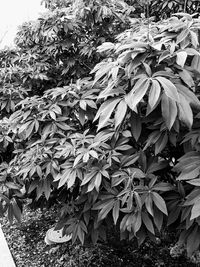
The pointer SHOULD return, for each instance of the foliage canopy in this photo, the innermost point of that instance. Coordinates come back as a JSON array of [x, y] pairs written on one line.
[[100, 112]]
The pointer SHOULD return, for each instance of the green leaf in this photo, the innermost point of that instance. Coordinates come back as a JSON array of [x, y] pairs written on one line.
[[91, 185], [98, 180], [139, 84], [195, 210], [30, 129], [89, 177], [12, 185], [182, 36], [105, 112], [165, 54], [189, 95], [102, 69], [118, 179], [169, 110], [181, 58], [148, 223], [141, 236], [86, 156], [10, 213], [16, 210], [152, 138], [154, 95], [115, 211], [187, 78], [106, 209], [71, 179], [39, 190], [193, 197], [136, 125], [114, 71], [81, 231], [124, 222], [47, 188], [195, 182], [138, 200], [188, 165], [193, 241], [161, 143], [63, 178], [163, 187], [169, 88], [137, 223], [25, 126], [93, 154], [185, 111], [33, 185], [156, 166], [52, 115], [106, 46], [136, 95], [77, 159], [174, 214], [159, 202], [194, 39], [102, 203], [149, 204], [120, 112], [158, 219], [136, 172], [195, 64]]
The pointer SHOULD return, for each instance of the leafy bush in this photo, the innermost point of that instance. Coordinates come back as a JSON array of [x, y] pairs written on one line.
[[114, 135]]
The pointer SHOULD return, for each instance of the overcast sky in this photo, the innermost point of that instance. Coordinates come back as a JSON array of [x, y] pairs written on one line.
[[13, 13]]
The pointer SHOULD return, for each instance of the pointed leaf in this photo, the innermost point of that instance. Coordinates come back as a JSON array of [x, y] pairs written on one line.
[[159, 202], [194, 39], [136, 125], [189, 95], [120, 113], [185, 111], [181, 58], [149, 204], [169, 110], [187, 78], [138, 222], [169, 88], [133, 98], [158, 219], [154, 94], [193, 241], [195, 210], [182, 35], [16, 210], [105, 112], [161, 143], [148, 223], [115, 211]]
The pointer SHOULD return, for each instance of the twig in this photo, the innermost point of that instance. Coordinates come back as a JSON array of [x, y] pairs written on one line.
[[185, 6]]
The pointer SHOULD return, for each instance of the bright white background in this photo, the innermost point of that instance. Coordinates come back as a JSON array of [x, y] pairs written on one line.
[[13, 13]]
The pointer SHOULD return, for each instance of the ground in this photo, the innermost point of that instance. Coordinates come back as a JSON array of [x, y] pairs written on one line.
[[26, 242]]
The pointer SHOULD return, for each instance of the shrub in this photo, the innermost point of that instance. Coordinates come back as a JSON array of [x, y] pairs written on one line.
[[118, 146]]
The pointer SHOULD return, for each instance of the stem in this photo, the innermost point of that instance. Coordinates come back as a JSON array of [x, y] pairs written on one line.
[[185, 6], [86, 66]]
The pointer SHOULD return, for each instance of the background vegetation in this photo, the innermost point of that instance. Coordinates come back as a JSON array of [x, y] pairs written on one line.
[[100, 113]]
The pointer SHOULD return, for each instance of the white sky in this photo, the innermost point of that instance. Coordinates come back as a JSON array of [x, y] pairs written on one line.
[[13, 13]]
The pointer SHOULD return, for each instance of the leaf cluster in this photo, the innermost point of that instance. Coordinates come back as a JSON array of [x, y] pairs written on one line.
[[100, 112]]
